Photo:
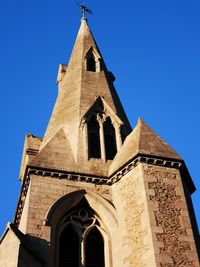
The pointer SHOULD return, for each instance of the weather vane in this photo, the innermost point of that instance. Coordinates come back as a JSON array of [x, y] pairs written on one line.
[[84, 10]]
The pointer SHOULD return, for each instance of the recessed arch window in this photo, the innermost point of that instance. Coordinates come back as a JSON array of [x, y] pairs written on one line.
[[110, 139]]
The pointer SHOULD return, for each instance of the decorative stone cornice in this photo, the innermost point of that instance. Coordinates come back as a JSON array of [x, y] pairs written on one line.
[[55, 175], [68, 176], [143, 159], [87, 178]]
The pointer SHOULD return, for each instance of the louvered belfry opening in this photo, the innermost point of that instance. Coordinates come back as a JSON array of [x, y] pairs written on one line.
[[94, 138], [94, 249], [110, 139], [69, 248]]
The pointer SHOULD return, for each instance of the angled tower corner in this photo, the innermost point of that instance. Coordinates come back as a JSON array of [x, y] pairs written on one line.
[[94, 192]]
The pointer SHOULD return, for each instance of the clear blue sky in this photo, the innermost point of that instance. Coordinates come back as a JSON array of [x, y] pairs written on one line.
[[152, 47]]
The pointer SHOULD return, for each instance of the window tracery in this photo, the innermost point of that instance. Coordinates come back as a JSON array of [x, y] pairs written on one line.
[[81, 243]]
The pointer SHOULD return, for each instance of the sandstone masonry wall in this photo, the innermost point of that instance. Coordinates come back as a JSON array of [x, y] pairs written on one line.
[[135, 244], [44, 191], [9, 250], [170, 222]]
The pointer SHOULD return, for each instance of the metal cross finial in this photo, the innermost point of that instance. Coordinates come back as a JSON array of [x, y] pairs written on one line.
[[84, 10]]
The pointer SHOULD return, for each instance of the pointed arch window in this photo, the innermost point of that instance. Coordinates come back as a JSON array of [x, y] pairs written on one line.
[[91, 63], [81, 243], [102, 131], [93, 139], [69, 248], [101, 138], [94, 249], [110, 139], [93, 60]]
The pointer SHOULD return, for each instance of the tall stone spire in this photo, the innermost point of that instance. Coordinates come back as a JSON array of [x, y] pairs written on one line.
[[127, 202], [84, 82]]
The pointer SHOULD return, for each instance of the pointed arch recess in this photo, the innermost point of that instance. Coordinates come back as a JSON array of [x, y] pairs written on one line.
[[104, 210], [100, 105]]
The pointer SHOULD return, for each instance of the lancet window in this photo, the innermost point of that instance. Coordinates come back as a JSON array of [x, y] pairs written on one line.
[[94, 249], [81, 243], [101, 137], [102, 131], [69, 252], [94, 149], [109, 139], [93, 61]]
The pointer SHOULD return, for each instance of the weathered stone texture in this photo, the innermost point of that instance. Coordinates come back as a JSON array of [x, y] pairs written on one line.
[[129, 198], [142, 140], [45, 191], [31, 148], [173, 241]]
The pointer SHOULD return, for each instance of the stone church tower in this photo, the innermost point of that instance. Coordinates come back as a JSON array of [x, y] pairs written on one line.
[[96, 193]]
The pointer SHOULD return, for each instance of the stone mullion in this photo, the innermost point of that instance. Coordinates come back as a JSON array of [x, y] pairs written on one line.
[[102, 139], [82, 252], [102, 142], [118, 137], [85, 134]]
